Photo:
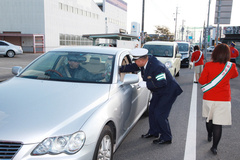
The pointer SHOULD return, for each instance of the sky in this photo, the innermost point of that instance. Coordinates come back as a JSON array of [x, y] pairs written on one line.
[[191, 13]]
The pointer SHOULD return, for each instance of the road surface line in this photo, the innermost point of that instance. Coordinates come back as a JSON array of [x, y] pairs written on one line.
[[190, 148]]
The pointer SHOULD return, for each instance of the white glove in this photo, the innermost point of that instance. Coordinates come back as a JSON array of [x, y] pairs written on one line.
[[142, 84]]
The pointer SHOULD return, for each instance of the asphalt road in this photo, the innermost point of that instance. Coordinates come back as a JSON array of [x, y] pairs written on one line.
[[135, 148]]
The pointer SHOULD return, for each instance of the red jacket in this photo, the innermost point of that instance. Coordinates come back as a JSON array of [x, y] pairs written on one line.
[[195, 57], [222, 91], [234, 52]]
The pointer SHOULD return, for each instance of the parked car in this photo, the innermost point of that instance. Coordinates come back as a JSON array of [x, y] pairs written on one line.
[[210, 49], [186, 51], [9, 49], [46, 114], [167, 53]]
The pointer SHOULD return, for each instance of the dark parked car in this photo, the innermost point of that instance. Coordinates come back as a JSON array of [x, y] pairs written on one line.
[[185, 51]]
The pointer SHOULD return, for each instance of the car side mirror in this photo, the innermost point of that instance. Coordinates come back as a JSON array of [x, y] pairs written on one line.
[[16, 70], [179, 55], [130, 78]]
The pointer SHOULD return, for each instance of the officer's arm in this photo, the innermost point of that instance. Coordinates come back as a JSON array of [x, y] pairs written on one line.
[[157, 81], [129, 68]]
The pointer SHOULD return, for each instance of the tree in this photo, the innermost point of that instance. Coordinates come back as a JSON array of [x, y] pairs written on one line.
[[165, 34]]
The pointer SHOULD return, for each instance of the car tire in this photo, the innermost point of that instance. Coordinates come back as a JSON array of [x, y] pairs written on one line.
[[104, 147], [177, 75], [10, 54]]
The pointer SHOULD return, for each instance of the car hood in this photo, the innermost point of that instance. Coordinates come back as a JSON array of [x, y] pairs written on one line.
[[183, 52], [164, 59], [32, 110]]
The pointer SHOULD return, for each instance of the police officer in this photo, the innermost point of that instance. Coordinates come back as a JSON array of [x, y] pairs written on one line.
[[164, 90], [234, 52]]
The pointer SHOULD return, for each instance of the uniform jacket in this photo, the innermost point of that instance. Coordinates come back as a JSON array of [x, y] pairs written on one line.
[[195, 57], [158, 78], [234, 52], [221, 92]]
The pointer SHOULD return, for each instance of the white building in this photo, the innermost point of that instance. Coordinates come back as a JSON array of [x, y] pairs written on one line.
[[41, 25]]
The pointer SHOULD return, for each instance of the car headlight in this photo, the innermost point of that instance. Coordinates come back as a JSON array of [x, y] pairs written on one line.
[[69, 144], [168, 64]]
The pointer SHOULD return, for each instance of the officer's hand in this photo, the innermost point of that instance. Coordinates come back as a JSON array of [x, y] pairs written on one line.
[[142, 84]]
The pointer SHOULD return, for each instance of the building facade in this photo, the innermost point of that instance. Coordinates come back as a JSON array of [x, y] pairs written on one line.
[[41, 25]]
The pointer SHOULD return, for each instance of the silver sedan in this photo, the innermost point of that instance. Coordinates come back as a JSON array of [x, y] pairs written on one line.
[[9, 49], [70, 103]]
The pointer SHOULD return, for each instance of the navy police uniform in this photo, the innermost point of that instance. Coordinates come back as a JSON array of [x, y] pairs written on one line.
[[164, 90]]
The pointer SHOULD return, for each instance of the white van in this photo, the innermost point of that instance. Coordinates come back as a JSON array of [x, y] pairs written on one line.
[[167, 53]]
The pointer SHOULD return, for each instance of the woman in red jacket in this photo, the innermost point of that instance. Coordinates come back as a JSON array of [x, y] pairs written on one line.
[[198, 57], [217, 93]]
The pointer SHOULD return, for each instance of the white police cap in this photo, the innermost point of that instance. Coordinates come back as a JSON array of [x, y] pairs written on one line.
[[138, 53]]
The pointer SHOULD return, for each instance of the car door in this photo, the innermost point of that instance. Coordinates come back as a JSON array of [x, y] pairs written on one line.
[[3, 47], [138, 97]]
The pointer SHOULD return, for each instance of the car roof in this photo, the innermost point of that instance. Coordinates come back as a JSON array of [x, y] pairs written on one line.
[[92, 49], [184, 42], [161, 43]]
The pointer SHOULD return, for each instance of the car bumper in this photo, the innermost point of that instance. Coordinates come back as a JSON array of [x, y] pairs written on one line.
[[86, 153], [18, 52], [185, 62]]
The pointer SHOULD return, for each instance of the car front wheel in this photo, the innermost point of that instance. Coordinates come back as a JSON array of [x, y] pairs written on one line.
[[104, 148], [10, 54]]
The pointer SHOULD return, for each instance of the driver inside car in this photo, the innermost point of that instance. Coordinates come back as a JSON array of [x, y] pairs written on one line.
[[74, 70]]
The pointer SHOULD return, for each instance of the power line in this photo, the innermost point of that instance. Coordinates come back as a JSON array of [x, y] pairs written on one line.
[[156, 6]]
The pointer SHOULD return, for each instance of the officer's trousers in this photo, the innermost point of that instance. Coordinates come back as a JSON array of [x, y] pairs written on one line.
[[159, 110]]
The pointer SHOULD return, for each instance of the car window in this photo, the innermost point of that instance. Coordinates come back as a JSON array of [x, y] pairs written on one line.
[[160, 50], [3, 44], [183, 47], [125, 61], [72, 66]]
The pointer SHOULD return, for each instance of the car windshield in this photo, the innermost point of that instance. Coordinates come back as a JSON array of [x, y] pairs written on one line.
[[72, 66], [159, 50], [183, 47]]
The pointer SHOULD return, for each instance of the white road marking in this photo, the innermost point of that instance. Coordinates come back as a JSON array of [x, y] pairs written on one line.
[[190, 148]]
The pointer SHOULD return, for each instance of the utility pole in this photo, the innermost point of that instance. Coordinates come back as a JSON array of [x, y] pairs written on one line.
[[218, 19], [207, 31], [142, 36], [182, 28], [175, 35], [200, 41]]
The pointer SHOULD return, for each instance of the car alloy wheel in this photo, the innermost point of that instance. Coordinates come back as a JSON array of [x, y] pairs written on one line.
[[104, 148], [10, 54]]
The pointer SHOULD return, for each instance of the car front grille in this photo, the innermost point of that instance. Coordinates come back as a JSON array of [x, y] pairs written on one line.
[[9, 149]]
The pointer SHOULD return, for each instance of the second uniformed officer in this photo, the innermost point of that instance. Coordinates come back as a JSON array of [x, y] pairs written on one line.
[[164, 90]]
